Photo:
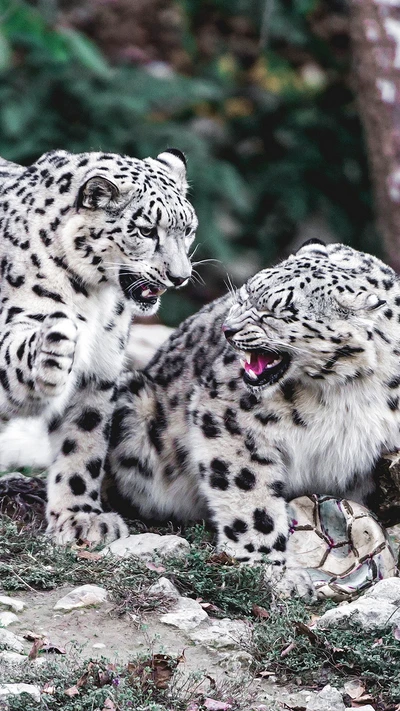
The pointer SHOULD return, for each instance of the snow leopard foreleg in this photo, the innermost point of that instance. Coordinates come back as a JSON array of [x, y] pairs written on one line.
[[36, 358], [80, 437], [244, 493]]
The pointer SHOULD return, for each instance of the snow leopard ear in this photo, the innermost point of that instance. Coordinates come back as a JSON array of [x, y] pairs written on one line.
[[9, 169], [313, 246], [97, 192], [361, 301], [176, 163]]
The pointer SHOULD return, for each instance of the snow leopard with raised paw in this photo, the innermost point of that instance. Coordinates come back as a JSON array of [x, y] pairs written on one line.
[[87, 240], [291, 386]]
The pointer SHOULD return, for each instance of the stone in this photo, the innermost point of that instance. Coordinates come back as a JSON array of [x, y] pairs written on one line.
[[10, 641], [12, 602], [17, 689], [148, 546], [84, 596], [7, 618], [368, 612], [186, 615], [328, 699], [99, 645], [163, 586], [235, 662], [388, 589], [223, 634], [13, 657]]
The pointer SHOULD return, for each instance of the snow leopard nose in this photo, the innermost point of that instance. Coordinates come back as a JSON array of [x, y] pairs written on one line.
[[228, 331], [176, 280]]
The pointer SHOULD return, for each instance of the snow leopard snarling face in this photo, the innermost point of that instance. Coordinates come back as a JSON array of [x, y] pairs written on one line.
[[126, 220], [306, 319]]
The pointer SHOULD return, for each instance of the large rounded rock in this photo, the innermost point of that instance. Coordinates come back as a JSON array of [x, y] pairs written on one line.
[[148, 546]]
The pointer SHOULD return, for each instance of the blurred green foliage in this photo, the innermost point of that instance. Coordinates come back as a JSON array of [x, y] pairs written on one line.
[[272, 139]]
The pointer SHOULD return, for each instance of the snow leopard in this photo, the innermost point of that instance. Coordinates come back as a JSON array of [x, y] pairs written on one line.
[[290, 386], [87, 241]]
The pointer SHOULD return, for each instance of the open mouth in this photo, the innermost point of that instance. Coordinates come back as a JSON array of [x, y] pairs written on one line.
[[264, 367], [137, 289]]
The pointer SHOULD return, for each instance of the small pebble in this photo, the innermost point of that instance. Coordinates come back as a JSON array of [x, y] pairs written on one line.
[[7, 618], [12, 602]]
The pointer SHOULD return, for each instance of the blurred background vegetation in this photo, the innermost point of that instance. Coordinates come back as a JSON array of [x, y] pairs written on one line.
[[256, 92]]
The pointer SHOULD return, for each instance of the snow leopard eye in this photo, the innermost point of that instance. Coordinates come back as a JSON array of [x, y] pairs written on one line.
[[148, 231]]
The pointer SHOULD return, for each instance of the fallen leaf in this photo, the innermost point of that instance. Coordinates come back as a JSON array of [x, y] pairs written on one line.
[[50, 647], [396, 633], [192, 706], [361, 701], [156, 670], [72, 691], [48, 688], [213, 705], [31, 636], [88, 555], [105, 677], [156, 568], [221, 558], [210, 606], [36, 647], [303, 629], [85, 676], [260, 612], [354, 688]]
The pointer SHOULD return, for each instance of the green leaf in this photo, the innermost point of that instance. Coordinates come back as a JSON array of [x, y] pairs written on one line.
[[5, 52], [85, 52]]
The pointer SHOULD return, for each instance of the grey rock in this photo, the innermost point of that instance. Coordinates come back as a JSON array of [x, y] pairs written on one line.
[[12, 603], [368, 612], [388, 589], [235, 662], [163, 586], [328, 699], [148, 546], [186, 615], [223, 634], [10, 641], [7, 618], [83, 596], [7, 690], [13, 657]]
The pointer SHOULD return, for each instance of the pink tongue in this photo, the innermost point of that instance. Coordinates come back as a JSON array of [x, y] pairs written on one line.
[[259, 362]]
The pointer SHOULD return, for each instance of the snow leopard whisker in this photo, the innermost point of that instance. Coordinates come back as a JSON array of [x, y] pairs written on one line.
[[206, 261], [197, 278], [231, 288]]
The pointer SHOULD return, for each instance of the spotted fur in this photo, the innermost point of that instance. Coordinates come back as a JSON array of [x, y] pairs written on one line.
[[197, 434], [86, 242]]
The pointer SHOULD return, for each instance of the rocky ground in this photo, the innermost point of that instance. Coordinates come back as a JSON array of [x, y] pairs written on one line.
[[163, 622]]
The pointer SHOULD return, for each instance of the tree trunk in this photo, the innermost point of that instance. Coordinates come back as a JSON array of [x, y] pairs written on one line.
[[375, 30]]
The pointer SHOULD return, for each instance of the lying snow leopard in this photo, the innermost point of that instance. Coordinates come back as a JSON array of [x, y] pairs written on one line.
[[292, 389], [86, 240]]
